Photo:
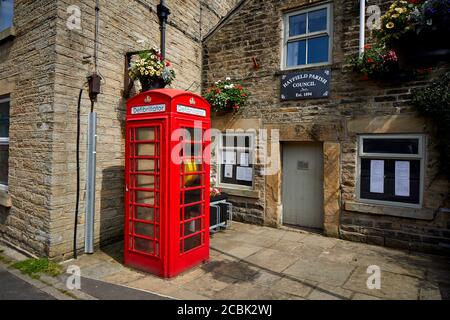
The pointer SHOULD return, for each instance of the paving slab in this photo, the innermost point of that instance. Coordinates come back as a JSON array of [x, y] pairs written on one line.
[[153, 284], [294, 286], [322, 271], [393, 286], [327, 292], [248, 291], [244, 250], [273, 260]]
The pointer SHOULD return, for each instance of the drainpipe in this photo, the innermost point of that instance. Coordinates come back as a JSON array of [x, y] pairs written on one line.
[[163, 14], [362, 25]]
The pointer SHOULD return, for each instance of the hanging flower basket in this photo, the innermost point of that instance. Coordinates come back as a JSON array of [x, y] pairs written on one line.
[[226, 96], [377, 62], [152, 71]]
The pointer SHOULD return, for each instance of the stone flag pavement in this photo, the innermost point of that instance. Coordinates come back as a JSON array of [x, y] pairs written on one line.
[[253, 262]]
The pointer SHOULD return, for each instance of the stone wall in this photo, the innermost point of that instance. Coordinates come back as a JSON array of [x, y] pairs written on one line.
[[27, 74], [122, 24], [43, 68], [355, 106]]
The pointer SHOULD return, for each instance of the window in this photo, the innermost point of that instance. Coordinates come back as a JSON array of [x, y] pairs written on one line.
[[4, 142], [236, 160], [307, 39], [391, 169], [6, 14]]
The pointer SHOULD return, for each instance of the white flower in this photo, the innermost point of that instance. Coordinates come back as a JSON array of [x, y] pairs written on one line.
[[228, 79], [231, 86]]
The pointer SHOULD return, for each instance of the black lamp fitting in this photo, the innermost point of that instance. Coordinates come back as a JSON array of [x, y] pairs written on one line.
[[163, 12]]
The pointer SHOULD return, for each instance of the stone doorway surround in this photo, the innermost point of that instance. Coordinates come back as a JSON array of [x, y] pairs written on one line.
[[309, 132]]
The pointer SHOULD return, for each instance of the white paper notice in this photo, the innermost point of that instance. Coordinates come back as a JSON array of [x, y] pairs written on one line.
[[377, 176], [244, 174], [229, 157], [244, 159], [402, 180], [228, 171]]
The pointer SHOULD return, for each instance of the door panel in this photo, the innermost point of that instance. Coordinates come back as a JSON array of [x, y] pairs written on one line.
[[144, 181], [303, 184]]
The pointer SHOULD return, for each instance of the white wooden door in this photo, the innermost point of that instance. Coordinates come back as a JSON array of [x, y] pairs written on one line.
[[303, 184]]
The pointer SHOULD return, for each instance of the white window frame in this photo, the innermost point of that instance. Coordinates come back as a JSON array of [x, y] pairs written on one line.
[[221, 148], [420, 156], [5, 142], [287, 39]]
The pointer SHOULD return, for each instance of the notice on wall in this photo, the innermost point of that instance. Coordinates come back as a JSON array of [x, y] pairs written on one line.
[[244, 174], [244, 160], [229, 157], [377, 176], [402, 178], [228, 172]]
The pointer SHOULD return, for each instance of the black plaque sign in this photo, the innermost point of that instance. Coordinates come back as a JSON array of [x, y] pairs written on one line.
[[305, 85]]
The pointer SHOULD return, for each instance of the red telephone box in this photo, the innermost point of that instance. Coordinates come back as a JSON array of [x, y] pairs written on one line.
[[167, 181]]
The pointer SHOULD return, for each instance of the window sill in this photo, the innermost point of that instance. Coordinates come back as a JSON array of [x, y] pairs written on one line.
[[386, 210], [7, 34], [254, 194], [5, 199]]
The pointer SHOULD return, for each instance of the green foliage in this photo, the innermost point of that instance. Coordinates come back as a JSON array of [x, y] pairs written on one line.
[[433, 102], [376, 62], [33, 267], [226, 96]]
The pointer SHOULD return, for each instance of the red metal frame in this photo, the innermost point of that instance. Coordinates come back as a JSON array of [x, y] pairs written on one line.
[[167, 244]]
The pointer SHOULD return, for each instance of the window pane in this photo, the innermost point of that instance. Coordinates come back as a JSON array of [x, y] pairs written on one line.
[[192, 242], [391, 146], [6, 14], [297, 25], [4, 119], [192, 227], [389, 182], [296, 54], [143, 229], [192, 212], [146, 150], [4, 153], [318, 50], [143, 134], [144, 213], [317, 20], [143, 245]]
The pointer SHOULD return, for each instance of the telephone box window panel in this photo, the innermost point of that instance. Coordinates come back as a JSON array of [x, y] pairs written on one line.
[[236, 160], [167, 181], [391, 168]]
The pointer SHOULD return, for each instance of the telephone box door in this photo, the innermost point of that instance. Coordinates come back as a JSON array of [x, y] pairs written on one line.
[[192, 228], [145, 176]]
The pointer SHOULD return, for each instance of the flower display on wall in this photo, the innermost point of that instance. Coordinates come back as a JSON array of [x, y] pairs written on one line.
[[376, 61], [226, 95], [407, 28], [152, 70], [399, 19]]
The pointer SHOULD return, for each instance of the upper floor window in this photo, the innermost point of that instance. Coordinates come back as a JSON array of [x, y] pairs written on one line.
[[4, 142], [6, 14], [391, 169], [307, 37]]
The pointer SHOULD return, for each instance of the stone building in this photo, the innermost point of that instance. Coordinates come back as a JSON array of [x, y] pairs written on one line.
[[357, 163], [46, 50], [46, 53]]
